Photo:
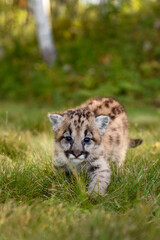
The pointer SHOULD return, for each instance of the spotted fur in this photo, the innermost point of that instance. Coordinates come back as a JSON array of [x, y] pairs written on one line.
[[101, 121]]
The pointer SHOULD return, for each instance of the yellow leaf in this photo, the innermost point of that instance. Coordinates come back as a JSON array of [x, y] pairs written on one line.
[[156, 145]]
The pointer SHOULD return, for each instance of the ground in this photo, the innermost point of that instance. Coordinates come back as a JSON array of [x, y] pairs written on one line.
[[35, 203]]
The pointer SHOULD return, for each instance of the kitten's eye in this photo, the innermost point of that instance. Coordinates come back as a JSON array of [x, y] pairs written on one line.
[[87, 140], [68, 139]]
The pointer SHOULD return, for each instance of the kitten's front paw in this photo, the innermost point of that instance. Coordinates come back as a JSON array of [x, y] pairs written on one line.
[[96, 191]]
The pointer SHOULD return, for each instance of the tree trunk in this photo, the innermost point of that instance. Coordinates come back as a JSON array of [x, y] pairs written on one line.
[[102, 4], [118, 4], [41, 9]]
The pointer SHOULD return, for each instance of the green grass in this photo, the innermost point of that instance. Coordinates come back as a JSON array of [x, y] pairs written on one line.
[[35, 203]]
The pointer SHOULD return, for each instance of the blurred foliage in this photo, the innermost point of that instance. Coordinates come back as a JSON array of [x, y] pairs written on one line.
[[114, 52]]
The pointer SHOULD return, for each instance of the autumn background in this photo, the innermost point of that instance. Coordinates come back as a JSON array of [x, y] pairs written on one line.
[[101, 48]]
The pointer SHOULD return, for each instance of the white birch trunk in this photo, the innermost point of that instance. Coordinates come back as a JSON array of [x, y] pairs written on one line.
[[118, 3], [41, 10], [102, 4]]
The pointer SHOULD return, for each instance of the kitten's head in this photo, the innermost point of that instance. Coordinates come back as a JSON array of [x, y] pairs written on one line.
[[78, 132]]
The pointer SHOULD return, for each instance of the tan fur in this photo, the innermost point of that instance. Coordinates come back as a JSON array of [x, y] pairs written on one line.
[[108, 140], [116, 138]]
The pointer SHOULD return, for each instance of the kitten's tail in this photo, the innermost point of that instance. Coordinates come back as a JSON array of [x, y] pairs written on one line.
[[135, 142]]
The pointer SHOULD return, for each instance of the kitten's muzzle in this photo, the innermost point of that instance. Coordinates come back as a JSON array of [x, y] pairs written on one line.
[[76, 153]]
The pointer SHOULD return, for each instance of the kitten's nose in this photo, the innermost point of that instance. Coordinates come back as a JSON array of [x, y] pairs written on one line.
[[77, 153]]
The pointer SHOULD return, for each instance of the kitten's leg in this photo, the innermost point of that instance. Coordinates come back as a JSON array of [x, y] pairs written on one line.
[[99, 173], [120, 155], [59, 164]]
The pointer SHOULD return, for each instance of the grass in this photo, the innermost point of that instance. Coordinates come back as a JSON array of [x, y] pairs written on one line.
[[35, 203]]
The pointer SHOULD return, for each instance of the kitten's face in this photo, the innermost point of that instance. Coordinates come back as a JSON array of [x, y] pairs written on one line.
[[78, 134]]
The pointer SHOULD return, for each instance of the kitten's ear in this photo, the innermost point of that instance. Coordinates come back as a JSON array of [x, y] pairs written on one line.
[[102, 122], [56, 120]]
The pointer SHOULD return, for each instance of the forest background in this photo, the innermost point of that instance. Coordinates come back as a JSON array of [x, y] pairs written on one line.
[[102, 50]]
